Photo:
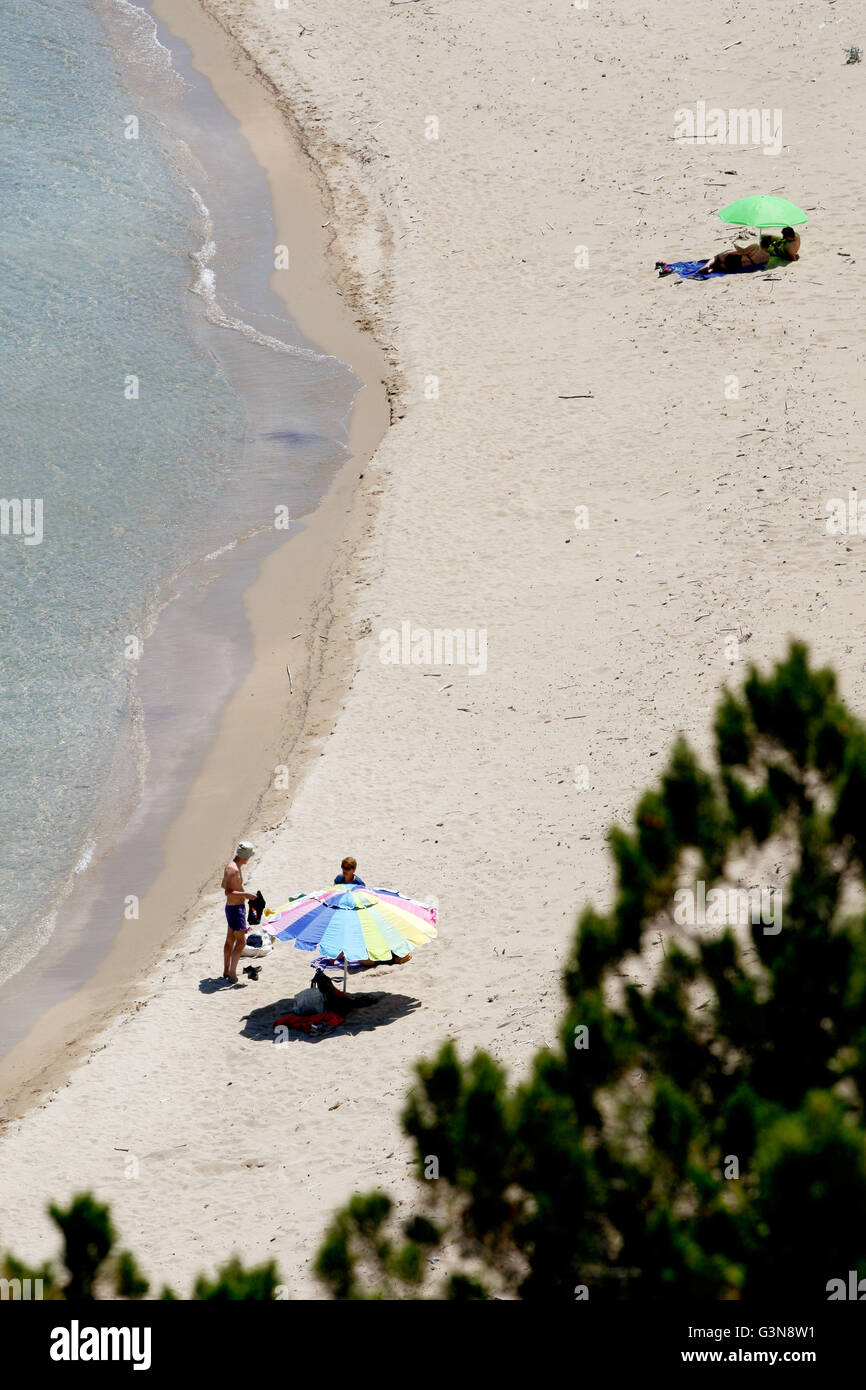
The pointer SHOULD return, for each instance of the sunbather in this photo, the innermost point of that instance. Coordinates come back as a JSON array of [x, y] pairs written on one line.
[[785, 248], [741, 258]]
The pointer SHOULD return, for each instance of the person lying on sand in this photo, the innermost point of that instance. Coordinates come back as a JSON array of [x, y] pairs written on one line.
[[236, 917], [784, 248], [348, 875], [741, 258]]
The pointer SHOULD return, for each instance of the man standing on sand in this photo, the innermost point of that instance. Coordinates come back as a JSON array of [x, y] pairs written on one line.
[[236, 916]]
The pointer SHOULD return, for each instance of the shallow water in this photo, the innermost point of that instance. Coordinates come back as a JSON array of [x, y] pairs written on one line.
[[158, 403]]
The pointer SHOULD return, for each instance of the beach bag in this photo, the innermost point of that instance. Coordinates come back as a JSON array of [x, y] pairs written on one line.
[[257, 945], [309, 1001]]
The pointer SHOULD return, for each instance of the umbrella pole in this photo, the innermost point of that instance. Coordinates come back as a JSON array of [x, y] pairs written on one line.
[[345, 972]]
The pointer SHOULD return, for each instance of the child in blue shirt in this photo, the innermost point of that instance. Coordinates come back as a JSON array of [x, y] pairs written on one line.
[[348, 875]]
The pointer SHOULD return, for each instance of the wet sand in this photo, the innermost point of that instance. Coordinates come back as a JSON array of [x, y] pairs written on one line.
[[263, 725]]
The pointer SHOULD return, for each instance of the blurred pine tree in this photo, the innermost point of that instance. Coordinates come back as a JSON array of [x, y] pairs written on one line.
[[699, 1133]]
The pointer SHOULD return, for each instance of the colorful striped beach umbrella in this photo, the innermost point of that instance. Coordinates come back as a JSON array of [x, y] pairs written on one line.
[[357, 924]]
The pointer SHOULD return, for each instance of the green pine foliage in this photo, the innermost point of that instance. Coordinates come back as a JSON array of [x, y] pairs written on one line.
[[92, 1269], [235, 1284], [695, 1133], [88, 1237]]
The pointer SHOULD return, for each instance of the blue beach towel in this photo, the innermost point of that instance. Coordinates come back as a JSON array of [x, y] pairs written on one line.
[[689, 270]]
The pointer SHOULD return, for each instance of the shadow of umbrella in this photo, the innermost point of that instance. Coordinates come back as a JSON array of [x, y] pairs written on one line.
[[373, 1011]]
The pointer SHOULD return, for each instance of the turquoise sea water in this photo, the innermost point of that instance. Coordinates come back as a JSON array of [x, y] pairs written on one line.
[[110, 248]]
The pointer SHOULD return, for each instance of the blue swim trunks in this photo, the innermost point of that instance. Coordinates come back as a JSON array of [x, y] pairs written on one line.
[[236, 917]]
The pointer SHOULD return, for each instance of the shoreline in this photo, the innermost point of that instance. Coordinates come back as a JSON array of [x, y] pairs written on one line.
[[309, 566], [562, 384]]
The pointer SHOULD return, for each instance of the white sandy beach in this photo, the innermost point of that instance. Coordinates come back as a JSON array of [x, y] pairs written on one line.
[[706, 519]]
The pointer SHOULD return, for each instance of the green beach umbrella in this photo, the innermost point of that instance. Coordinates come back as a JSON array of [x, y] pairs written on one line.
[[761, 211]]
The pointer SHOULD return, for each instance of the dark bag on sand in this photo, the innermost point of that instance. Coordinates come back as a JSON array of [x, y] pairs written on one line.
[[255, 910], [336, 1002]]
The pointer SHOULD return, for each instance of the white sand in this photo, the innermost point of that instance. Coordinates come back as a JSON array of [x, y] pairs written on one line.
[[555, 130]]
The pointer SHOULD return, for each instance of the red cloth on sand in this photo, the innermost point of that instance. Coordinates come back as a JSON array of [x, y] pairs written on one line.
[[305, 1022]]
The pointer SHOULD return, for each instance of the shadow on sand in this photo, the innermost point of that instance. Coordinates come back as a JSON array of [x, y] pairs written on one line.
[[214, 984], [379, 1010]]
